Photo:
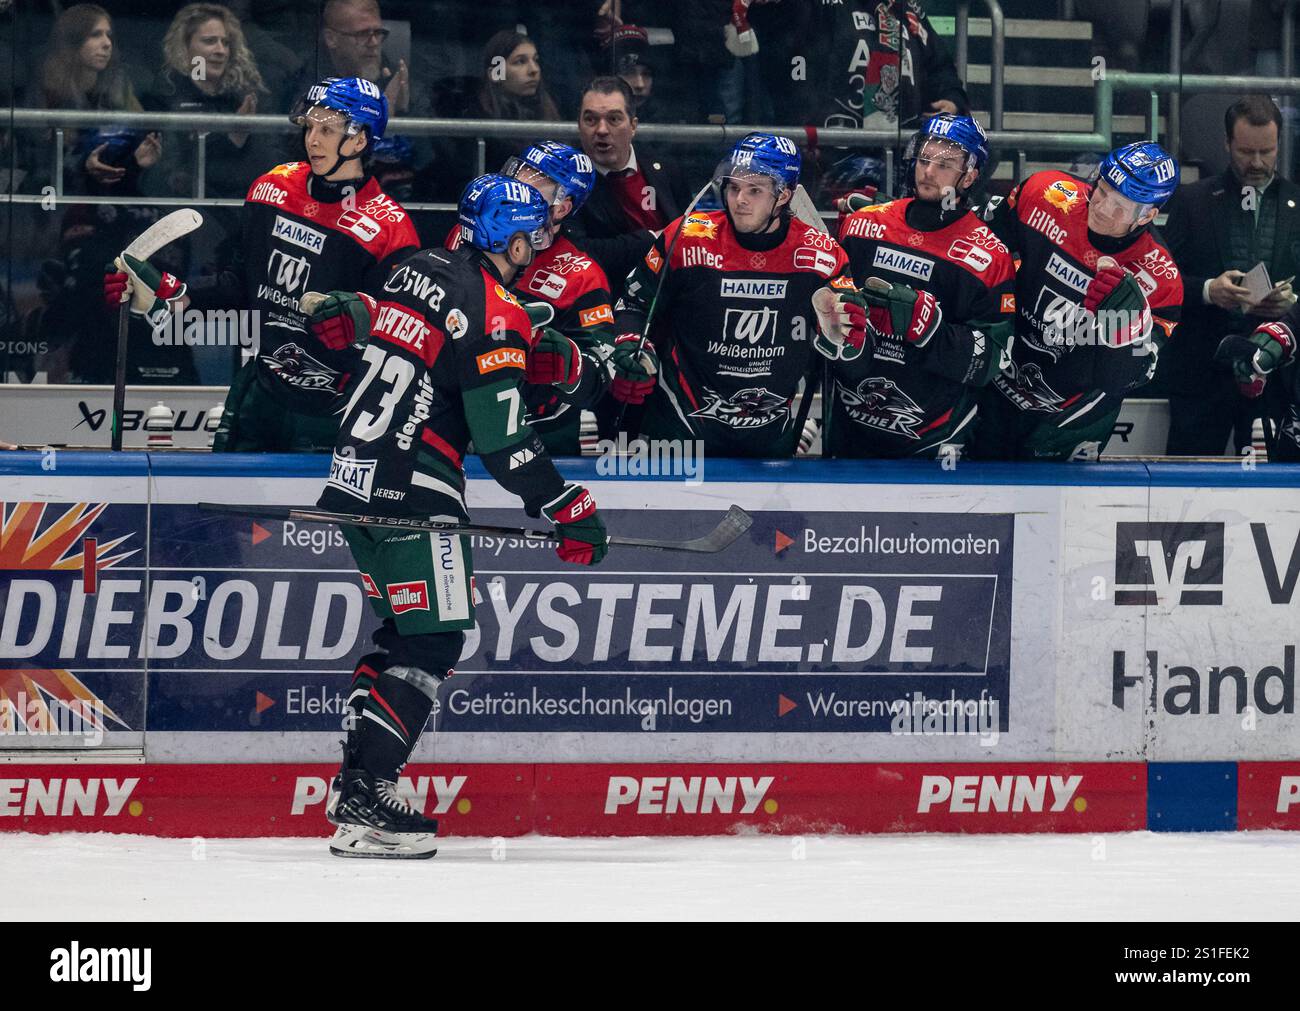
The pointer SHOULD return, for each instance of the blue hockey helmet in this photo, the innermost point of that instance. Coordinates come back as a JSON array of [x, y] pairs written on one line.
[[359, 100], [764, 154], [1144, 172], [571, 170], [494, 208], [957, 133]]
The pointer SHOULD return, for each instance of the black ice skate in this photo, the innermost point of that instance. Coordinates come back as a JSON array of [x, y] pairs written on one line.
[[373, 821]]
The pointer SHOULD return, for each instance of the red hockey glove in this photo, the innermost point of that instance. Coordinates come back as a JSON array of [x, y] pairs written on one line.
[[583, 540], [902, 312], [635, 372], [1116, 299], [841, 323], [554, 361], [340, 319], [1254, 357], [150, 290]]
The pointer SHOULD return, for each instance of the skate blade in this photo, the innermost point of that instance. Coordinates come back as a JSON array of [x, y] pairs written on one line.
[[368, 843]]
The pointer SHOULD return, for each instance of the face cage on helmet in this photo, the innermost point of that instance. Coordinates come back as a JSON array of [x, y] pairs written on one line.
[[299, 116], [1139, 208]]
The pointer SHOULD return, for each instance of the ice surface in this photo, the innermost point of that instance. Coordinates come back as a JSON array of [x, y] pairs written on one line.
[[1132, 876]]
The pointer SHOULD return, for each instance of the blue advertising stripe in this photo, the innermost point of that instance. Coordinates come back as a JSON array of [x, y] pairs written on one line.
[[1192, 796], [69, 463]]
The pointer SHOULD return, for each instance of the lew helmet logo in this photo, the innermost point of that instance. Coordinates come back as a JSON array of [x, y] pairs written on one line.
[[981, 794], [1165, 564], [694, 795], [403, 597]]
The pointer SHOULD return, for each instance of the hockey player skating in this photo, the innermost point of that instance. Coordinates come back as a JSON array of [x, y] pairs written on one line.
[[728, 355], [318, 224], [567, 366], [445, 359], [1097, 295], [938, 287]]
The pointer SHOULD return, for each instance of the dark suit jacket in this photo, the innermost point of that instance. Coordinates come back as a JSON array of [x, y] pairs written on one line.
[[603, 231], [1197, 236]]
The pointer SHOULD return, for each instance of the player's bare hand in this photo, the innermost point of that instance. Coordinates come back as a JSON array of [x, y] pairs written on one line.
[[102, 173], [1226, 291]]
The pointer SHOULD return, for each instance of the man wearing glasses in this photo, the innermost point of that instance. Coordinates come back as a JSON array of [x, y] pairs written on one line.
[[352, 43]]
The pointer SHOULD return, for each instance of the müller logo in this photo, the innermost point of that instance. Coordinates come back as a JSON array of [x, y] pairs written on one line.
[[75, 964], [404, 597]]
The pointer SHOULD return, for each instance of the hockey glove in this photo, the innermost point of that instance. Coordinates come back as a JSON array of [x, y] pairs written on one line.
[[582, 533], [340, 319], [1254, 357], [1114, 297], [540, 314], [149, 289], [554, 361], [902, 312], [841, 323], [635, 372], [855, 200]]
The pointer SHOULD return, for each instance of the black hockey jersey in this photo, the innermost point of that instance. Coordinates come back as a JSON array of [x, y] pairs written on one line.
[[333, 236], [1059, 371], [444, 364], [900, 400], [733, 330]]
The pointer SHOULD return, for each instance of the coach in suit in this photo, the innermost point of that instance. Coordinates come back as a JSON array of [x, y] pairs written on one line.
[[635, 193], [1218, 229]]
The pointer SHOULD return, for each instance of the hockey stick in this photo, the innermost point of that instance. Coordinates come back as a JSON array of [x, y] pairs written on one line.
[[734, 523], [803, 208], [663, 276], [160, 233]]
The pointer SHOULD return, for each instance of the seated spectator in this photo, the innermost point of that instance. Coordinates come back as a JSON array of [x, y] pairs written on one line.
[[207, 67], [1218, 229], [627, 53], [635, 194], [512, 88], [82, 72]]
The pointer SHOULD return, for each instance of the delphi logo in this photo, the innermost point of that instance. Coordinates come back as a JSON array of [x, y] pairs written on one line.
[[1164, 564]]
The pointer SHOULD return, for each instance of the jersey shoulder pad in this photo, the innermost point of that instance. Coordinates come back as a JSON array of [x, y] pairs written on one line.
[[982, 253], [562, 274], [498, 302], [1157, 274], [274, 186], [813, 251], [870, 222], [1055, 191]]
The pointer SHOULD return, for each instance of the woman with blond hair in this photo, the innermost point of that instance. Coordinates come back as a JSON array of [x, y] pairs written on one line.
[[208, 68]]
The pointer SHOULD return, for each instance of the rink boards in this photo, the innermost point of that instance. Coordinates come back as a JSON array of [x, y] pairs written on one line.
[[875, 617]]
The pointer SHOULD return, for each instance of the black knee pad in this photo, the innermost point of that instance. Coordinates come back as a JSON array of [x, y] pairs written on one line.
[[437, 653]]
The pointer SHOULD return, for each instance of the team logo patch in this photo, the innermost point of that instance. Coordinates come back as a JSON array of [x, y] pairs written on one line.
[[311, 208], [1008, 303], [547, 284], [600, 314], [653, 260], [457, 324], [501, 358], [750, 325], [351, 476], [570, 263], [878, 403], [299, 234], [700, 226], [288, 273], [403, 597], [745, 409], [1062, 194], [916, 239], [1165, 325], [291, 363], [505, 296], [371, 589]]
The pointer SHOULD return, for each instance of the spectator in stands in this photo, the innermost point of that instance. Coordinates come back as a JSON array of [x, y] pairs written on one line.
[[1219, 228], [352, 42], [635, 194], [512, 88], [82, 72], [208, 68], [627, 54]]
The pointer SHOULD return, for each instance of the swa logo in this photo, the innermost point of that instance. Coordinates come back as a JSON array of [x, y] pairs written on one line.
[[1168, 563]]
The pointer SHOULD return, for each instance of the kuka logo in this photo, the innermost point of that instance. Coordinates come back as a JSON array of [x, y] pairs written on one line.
[[502, 358], [694, 795], [403, 597], [981, 794]]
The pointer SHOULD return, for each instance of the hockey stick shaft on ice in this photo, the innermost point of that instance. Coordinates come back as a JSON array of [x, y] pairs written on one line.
[[733, 523]]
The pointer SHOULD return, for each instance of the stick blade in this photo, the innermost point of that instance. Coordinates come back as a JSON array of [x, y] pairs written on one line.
[[166, 229]]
